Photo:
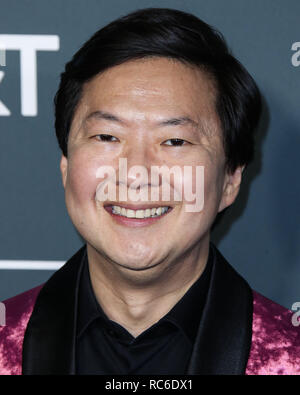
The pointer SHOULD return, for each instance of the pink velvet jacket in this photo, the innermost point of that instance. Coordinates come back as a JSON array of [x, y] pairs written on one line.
[[275, 346]]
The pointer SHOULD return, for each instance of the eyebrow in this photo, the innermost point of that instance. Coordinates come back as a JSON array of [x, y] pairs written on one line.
[[98, 115], [177, 121]]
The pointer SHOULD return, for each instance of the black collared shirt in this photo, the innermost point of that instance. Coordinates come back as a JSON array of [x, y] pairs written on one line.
[[105, 347]]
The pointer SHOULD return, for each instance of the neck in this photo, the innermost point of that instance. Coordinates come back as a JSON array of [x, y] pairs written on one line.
[[137, 300]]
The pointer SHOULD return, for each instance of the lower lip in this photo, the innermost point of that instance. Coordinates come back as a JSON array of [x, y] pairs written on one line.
[[134, 222]]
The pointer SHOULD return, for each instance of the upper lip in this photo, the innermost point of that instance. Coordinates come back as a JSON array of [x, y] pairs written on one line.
[[135, 206]]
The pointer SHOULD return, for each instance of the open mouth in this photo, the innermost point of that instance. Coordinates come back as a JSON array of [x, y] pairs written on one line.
[[146, 214]]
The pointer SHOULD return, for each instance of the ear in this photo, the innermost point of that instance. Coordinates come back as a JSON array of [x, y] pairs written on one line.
[[231, 187], [64, 169]]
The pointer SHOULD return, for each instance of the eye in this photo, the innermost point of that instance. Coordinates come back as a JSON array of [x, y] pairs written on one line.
[[175, 142], [106, 137]]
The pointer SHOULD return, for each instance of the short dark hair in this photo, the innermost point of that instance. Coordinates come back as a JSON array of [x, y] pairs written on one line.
[[173, 34]]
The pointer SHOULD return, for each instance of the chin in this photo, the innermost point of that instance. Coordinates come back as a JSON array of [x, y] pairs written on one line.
[[131, 256], [134, 262], [136, 268], [140, 275]]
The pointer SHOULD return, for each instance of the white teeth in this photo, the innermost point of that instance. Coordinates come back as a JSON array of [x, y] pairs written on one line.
[[139, 214], [158, 211], [130, 213], [117, 209], [154, 212]]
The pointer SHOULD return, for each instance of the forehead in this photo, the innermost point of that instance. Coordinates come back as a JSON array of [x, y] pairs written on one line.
[[157, 87]]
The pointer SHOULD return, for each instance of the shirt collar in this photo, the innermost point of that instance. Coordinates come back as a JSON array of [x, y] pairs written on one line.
[[187, 312], [185, 315]]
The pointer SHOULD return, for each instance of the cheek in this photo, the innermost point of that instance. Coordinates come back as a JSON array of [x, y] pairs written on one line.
[[81, 178], [213, 183], [203, 183], [202, 192], [198, 223]]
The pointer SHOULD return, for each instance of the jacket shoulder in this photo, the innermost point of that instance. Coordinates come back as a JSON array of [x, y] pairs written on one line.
[[18, 310], [275, 347]]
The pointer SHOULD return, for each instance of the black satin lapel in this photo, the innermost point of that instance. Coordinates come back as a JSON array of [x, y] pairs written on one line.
[[223, 341], [49, 342]]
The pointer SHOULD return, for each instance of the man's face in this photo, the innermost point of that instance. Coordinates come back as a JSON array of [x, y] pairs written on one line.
[[152, 112]]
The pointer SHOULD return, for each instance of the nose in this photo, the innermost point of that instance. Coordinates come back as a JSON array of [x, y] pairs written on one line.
[[136, 163]]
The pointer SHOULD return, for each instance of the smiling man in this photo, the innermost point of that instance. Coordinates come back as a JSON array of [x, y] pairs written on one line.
[[148, 293]]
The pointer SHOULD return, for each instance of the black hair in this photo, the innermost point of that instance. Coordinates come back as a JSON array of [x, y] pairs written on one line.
[[173, 34]]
